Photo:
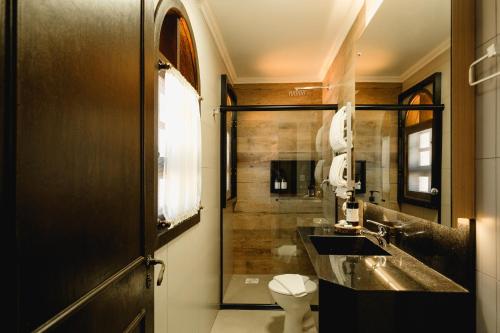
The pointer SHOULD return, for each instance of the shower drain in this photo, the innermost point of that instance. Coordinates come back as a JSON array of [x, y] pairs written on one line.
[[252, 281]]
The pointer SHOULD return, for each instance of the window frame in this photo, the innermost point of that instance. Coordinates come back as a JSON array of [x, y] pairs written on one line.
[[164, 9], [426, 200]]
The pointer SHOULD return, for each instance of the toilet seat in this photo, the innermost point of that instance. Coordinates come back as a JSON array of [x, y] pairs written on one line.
[[278, 288]]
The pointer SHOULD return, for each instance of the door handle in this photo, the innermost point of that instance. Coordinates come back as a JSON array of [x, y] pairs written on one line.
[[150, 261]]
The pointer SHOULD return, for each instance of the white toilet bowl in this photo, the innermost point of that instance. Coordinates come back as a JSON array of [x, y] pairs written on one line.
[[298, 315]]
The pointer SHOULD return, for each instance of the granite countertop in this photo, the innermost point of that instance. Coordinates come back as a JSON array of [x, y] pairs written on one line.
[[397, 272]]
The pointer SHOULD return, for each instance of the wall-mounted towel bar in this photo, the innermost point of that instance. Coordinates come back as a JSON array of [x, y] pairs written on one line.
[[490, 52]]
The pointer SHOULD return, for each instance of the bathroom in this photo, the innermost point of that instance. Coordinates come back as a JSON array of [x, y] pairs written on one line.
[[177, 166]]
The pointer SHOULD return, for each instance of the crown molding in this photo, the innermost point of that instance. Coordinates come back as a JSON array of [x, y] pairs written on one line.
[[433, 54], [349, 19], [277, 79], [219, 40]]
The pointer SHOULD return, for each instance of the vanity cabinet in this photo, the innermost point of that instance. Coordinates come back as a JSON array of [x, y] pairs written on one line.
[[353, 311]]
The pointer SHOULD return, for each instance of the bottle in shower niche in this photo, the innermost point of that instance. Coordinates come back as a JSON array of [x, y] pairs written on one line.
[[352, 210], [277, 184], [284, 184]]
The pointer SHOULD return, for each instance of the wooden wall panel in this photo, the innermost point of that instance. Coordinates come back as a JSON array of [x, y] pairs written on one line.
[[276, 94], [463, 171], [377, 92]]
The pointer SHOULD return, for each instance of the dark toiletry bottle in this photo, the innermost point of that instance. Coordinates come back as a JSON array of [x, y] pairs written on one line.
[[352, 210], [311, 190]]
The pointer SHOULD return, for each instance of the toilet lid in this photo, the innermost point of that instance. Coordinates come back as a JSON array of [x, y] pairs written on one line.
[[278, 288]]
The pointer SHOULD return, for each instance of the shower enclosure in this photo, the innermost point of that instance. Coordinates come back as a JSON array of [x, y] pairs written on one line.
[[272, 167], [274, 161]]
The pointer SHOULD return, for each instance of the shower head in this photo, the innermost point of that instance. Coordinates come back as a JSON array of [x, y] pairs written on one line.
[[302, 91], [296, 93], [313, 88]]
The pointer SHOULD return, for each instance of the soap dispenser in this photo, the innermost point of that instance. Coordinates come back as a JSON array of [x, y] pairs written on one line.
[[352, 210], [284, 184], [277, 184]]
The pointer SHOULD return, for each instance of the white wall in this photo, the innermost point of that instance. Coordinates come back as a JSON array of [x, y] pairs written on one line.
[[188, 299], [488, 172]]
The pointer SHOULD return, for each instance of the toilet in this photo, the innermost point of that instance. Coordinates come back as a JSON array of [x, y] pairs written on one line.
[[298, 315]]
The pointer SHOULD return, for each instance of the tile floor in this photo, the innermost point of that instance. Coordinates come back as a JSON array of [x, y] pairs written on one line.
[[241, 293], [251, 321]]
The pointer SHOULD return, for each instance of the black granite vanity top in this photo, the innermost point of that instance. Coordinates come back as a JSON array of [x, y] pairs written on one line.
[[397, 272]]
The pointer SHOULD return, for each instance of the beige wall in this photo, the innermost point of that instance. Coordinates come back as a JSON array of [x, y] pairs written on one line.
[[188, 299], [488, 172], [442, 64]]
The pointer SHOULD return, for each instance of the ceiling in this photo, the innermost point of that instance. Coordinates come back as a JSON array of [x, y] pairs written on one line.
[[279, 40], [402, 37]]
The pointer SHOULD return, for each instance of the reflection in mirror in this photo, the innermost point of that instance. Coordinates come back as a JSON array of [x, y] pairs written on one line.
[[406, 154]]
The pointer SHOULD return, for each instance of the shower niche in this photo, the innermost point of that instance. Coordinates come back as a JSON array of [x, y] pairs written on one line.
[[292, 177]]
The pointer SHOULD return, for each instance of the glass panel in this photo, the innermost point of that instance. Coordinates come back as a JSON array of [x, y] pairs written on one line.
[[300, 148], [420, 161], [279, 172]]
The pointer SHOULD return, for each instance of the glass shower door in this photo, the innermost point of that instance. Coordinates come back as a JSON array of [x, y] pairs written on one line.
[[279, 173]]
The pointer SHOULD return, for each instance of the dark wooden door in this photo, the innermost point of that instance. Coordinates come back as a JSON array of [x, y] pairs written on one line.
[[76, 160]]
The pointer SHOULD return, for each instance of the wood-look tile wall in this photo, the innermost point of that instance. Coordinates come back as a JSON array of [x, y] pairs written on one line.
[[264, 225]]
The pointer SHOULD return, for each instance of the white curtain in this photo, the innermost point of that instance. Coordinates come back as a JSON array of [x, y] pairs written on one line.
[[179, 148]]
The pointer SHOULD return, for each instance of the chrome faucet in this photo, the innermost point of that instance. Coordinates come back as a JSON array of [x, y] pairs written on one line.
[[380, 235]]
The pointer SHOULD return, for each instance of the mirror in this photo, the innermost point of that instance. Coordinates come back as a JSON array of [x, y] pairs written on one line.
[[405, 155]]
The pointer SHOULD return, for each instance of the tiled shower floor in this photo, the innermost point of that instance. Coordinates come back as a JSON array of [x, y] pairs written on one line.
[[253, 321]]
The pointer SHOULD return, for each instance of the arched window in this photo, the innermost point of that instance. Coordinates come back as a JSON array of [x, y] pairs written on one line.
[[179, 123], [419, 169], [176, 44]]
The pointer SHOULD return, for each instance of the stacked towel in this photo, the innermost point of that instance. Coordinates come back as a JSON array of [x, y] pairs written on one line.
[[293, 283], [337, 169], [318, 172], [337, 135]]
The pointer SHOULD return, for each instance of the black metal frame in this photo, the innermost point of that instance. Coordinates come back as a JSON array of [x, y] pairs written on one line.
[[227, 90], [324, 107], [297, 107], [434, 202]]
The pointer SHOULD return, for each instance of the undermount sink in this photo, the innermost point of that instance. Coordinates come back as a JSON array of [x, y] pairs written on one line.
[[347, 245]]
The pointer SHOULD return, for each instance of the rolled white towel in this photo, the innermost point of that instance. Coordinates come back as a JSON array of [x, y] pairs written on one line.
[[319, 139], [318, 172], [341, 192], [336, 175], [336, 135], [293, 283]]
